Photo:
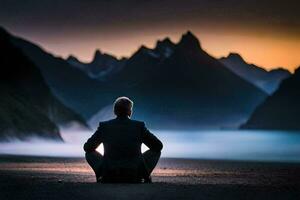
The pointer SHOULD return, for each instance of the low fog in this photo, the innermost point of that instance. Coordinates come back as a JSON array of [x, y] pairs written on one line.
[[227, 145]]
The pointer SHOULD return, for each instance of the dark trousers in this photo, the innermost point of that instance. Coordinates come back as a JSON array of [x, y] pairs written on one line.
[[150, 159]]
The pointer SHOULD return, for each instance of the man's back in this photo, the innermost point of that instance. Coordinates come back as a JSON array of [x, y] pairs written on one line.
[[122, 139]]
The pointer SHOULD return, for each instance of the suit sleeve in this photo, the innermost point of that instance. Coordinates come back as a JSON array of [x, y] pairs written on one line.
[[150, 140], [95, 140]]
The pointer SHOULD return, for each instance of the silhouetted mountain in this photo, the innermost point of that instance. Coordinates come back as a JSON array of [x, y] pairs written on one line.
[[75, 62], [281, 110], [101, 67], [185, 87], [27, 106], [104, 66], [73, 87], [173, 85], [164, 48], [266, 80]]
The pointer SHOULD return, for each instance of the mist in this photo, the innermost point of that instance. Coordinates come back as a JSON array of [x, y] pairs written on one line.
[[224, 145]]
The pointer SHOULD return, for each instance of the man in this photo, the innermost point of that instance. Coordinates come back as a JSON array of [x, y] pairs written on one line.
[[122, 139]]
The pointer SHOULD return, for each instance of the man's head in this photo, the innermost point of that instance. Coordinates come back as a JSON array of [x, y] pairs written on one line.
[[123, 107]]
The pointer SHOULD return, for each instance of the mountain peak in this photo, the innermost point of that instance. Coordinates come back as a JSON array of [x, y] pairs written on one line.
[[189, 40], [233, 55], [142, 49], [297, 70], [98, 53], [164, 42], [72, 58], [189, 36], [164, 47]]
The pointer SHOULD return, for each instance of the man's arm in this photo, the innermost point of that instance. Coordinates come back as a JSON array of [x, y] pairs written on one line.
[[152, 142], [94, 141]]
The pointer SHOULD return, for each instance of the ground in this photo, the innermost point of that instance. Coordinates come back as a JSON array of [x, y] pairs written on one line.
[[23, 177]]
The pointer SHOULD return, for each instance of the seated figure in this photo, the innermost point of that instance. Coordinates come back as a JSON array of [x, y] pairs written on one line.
[[122, 138]]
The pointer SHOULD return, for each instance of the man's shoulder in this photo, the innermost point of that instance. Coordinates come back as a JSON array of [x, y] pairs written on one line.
[[141, 123], [113, 121], [106, 122]]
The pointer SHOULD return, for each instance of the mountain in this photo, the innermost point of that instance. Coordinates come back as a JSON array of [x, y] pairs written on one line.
[[174, 85], [281, 110], [28, 107], [69, 84], [102, 66], [266, 80], [181, 86]]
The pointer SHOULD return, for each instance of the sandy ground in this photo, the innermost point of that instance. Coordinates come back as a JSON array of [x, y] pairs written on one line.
[[71, 178]]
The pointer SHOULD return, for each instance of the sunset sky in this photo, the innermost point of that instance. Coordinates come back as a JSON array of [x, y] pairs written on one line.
[[266, 33]]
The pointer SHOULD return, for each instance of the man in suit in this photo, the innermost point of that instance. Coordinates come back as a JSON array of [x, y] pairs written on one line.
[[122, 139]]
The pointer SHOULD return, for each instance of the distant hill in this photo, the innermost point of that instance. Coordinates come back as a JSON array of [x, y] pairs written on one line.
[[101, 67], [27, 106], [266, 80], [281, 110], [181, 86], [68, 83]]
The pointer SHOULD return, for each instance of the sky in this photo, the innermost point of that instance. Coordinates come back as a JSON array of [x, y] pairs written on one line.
[[264, 32]]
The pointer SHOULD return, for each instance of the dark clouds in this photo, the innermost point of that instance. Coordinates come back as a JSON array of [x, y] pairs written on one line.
[[115, 15]]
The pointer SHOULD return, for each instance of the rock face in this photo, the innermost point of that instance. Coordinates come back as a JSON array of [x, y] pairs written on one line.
[[28, 107], [101, 67], [180, 86], [281, 110], [266, 80]]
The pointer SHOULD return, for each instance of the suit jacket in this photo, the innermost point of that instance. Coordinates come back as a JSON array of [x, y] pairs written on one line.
[[122, 139]]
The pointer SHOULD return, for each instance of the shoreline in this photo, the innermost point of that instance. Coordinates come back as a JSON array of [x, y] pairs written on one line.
[[10, 157], [27, 177]]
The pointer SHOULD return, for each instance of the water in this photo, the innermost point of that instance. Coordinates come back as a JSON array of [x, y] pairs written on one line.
[[234, 145], [281, 146]]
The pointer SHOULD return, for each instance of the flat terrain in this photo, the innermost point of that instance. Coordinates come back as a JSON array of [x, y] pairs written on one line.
[[23, 177]]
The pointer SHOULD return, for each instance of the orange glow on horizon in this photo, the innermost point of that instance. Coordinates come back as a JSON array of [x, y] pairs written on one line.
[[267, 52]]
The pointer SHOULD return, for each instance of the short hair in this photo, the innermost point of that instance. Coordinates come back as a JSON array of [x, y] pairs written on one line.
[[122, 106]]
